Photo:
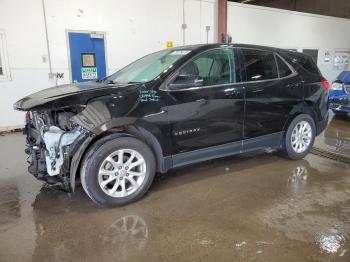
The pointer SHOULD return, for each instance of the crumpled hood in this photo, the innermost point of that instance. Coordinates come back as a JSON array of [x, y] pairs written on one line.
[[67, 95]]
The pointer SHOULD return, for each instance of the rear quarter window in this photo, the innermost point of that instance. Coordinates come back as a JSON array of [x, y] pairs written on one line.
[[305, 67], [309, 66]]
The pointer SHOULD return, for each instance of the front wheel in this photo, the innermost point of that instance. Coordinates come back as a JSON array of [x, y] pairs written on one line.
[[300, 137], [118, 171]]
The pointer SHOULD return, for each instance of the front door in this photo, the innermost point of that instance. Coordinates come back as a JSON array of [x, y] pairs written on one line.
[[87, 56], [213, 113]]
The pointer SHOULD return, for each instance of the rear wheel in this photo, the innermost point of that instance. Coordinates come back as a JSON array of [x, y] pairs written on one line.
[[118, 171], [299, 137]]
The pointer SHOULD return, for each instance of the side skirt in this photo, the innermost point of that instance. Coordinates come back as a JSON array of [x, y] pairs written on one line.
[[271, 141]]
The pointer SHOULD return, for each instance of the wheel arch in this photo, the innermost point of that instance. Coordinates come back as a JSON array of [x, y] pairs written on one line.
[[305, 108], [162, 163]]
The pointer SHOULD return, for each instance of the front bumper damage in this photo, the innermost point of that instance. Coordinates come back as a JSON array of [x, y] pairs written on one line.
[[52, 153], [339, 103]]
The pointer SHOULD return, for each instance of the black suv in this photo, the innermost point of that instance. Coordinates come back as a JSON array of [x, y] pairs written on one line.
[[169, 109]]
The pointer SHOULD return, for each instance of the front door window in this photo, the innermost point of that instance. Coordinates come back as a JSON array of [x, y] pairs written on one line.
[[215, 67]]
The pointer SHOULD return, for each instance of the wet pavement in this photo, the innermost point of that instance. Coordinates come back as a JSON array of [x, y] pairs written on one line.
[[255, 207], [336, 138]]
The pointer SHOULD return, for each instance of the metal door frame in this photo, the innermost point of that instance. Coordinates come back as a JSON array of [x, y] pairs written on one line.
[[85, 32]]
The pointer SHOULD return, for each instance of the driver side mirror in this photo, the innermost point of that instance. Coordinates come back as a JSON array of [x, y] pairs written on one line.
[[186, 81]]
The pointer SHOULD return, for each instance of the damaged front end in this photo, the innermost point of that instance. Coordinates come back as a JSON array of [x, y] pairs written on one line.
[[52, 140]]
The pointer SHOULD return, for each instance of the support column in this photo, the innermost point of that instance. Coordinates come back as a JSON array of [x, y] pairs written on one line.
[[222, 19]]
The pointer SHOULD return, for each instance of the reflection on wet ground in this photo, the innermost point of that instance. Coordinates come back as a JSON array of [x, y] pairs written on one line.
[[336, 137], [256, 207]]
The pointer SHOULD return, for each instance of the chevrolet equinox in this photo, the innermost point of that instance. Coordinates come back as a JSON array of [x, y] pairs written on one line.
[[169, 109]]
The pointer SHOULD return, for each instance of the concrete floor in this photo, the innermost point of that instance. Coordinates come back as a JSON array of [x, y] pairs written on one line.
[[256, 207]]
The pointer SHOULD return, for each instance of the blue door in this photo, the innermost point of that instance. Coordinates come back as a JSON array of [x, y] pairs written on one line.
[[87, 56]]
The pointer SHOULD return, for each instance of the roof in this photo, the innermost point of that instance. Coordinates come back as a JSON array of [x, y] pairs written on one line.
[[208, 46]]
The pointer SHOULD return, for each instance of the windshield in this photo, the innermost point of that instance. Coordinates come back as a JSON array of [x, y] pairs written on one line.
[[147, 68]]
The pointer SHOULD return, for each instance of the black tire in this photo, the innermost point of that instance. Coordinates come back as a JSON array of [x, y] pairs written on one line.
[[95, 157], [287, 148]]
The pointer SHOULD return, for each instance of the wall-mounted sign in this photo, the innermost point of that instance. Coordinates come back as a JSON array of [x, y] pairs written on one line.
[[89, 73], [327, 57], [96, 35], [169, 44], [341, 59]]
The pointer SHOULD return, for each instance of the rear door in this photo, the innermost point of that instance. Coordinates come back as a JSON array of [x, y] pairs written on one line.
[[272, 90]]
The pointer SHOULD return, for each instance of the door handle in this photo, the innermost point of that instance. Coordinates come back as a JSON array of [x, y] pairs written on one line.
[[293, 85], [234, 91]]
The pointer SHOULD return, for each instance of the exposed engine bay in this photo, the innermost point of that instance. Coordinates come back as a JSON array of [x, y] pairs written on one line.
[[51, 136]]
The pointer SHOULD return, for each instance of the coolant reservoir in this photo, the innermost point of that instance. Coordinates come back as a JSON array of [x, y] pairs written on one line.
[[55, 139]]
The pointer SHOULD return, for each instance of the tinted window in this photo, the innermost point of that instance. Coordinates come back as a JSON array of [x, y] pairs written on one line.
[[309, 65], [283, 68], [303, 64], [216, 67], [313, 53], [259, 65]]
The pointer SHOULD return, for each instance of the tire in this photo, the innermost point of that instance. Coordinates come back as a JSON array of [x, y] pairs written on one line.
[[290, 145], [97, 168]]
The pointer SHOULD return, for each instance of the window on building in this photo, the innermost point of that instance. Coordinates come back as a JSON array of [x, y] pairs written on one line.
[[1, 66], [4, 69], [88, 60], [259, 65]]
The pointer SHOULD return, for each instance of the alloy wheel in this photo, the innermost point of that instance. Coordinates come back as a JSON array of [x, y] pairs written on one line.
[[122, 173], [301, 137]]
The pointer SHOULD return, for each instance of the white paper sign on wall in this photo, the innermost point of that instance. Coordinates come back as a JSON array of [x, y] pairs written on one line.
[[341, 59], [89, 73]]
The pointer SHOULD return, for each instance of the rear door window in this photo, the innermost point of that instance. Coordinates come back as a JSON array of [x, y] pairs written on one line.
[[259, 65], [283, 68]]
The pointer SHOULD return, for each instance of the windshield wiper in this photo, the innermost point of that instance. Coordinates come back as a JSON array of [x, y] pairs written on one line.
[[101, 80]]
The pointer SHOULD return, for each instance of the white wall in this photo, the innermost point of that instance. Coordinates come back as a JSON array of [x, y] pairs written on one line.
[[133, 28], [22, 22], [285, 29], [136, 27]]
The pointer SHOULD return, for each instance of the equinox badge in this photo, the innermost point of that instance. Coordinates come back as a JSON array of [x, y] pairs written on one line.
[[188, 131]]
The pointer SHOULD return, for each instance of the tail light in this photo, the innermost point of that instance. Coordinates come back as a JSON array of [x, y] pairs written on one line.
[[27, 118], [325, 84]]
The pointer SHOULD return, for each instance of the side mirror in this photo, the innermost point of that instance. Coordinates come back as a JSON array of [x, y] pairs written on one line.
[[186, 81]]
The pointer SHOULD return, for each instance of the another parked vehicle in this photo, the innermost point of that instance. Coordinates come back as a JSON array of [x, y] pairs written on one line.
[[339, 95], [173, 108]]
